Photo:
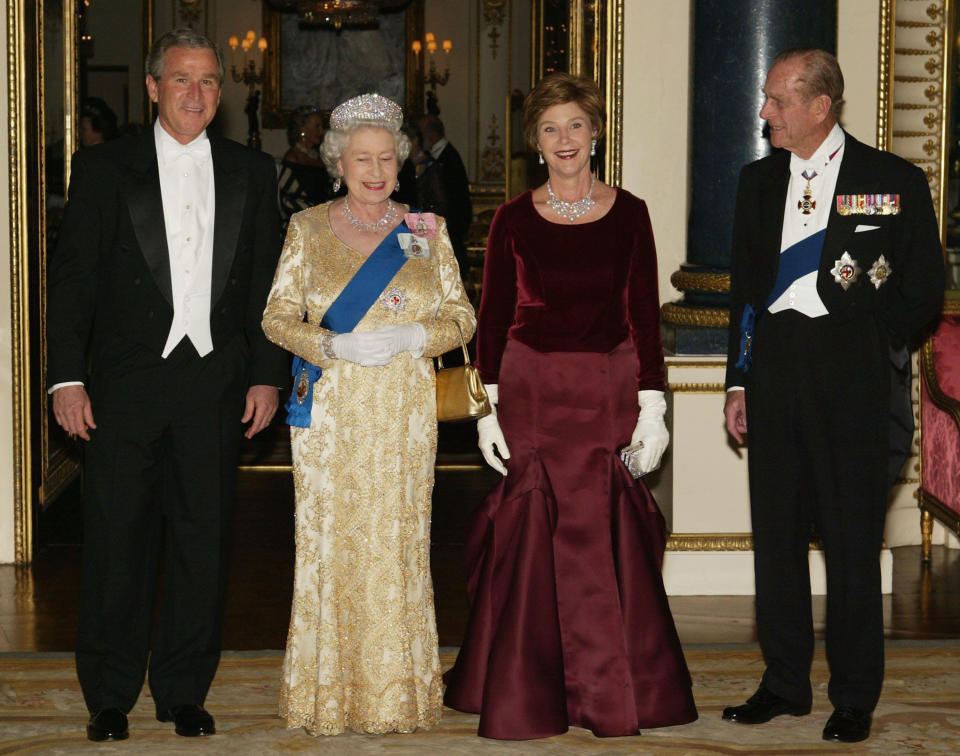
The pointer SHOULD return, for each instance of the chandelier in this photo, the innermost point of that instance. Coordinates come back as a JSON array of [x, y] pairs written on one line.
[[339, 13]]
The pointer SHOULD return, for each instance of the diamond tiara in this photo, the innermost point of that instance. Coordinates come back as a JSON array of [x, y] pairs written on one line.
[[366, 108]]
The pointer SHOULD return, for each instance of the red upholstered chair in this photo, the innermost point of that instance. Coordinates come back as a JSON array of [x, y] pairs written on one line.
[[940, 427]]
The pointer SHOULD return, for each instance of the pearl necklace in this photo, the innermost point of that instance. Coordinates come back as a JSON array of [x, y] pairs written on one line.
[[571, 210], [375, 227]]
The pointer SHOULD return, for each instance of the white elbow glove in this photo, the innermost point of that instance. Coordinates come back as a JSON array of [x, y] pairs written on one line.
[[490, 436], [651, 429]]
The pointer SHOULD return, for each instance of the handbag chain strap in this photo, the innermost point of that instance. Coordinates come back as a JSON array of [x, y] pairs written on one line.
[[463, 346]]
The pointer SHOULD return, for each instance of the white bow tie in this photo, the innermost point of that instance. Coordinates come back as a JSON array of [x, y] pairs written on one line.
[[198, 149]]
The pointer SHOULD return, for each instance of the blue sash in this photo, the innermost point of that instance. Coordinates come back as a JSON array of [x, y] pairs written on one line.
[[795, 262], [356, 299]]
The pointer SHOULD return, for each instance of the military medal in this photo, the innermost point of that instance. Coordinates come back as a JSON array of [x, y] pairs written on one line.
[[880, 271], [413, 246], [808, 203], [868, 204], [845, 270], [394, 299], [303, 386]]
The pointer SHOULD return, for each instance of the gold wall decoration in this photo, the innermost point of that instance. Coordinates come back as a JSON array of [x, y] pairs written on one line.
[[22, 31], [696, 388], [710, 542], [914, 50], [190, 13], [491, 159], [493, 11], [713, 282], [704, 317]]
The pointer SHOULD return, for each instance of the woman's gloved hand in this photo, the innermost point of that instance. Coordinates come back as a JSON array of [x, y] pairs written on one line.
[[651, 430], [491, 440], [376, 348], [406, 338], [367, 349]]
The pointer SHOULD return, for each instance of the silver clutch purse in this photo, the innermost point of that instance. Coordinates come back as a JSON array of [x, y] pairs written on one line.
[[630, 456]]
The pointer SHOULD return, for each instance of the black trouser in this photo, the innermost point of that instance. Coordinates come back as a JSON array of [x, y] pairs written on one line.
[[818, 420], [159, 480]]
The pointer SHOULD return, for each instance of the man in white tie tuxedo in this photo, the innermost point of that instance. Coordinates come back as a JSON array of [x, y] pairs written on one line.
[[157, 361], [836, 268]]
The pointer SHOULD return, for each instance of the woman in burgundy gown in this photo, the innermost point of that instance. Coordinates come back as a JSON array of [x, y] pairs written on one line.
[[569, 621]]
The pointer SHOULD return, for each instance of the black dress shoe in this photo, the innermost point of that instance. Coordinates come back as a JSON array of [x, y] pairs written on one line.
[[191, 721], [848, 725], [763, 706], [108, 724]]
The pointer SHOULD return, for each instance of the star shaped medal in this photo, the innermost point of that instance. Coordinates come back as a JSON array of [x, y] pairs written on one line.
[[845, 270]]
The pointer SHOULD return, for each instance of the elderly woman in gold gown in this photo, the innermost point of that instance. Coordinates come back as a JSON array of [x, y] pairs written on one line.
[[362, 650]]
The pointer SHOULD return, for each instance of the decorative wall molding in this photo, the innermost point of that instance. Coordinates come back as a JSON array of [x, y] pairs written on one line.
[[191, 14], [491, 159], [493, 13]]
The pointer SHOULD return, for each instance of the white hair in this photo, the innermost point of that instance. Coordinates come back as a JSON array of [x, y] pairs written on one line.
[[335, 143]]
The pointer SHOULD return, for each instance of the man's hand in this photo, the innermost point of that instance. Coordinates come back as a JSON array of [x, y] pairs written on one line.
[[72, 409], [262, 403], [735, 410]]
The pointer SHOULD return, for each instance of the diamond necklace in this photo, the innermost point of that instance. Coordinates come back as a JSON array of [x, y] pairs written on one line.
[[571, 210], [377, 226]]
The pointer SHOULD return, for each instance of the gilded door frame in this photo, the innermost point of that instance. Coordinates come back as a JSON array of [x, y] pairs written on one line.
[[913, 120], [40, 468]]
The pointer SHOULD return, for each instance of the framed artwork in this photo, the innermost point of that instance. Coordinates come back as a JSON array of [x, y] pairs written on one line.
[[322, 67]]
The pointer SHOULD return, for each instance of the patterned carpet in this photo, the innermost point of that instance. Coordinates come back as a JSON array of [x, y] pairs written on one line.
[[41, 711]]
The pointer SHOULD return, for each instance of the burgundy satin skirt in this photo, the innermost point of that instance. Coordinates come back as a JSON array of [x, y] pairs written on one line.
[[569, 622]]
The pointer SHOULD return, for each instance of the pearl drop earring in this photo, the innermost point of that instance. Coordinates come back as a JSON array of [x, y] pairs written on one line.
[[593, 147]]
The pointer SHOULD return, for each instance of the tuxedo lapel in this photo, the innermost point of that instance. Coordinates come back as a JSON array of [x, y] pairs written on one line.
[[145, 204], [230, 187], [852, 178], [772, 202]]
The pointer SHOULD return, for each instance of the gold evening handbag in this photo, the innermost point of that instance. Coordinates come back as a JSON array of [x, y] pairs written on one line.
[[460, 392]]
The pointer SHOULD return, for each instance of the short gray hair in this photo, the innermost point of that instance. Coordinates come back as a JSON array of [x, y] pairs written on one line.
[[821, 76], [335, 143], [179, 38]]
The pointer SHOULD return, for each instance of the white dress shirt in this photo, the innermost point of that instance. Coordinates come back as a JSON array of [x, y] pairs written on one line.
[[802, 294], [438, 147], [187, 189]]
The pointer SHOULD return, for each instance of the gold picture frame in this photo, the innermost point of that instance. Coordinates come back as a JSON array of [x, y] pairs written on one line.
[[276, 114]]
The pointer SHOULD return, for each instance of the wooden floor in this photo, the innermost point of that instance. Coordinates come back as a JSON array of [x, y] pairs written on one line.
[[38, 604]]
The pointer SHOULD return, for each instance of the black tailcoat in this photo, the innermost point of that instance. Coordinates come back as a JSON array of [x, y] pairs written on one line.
[[159, 469], [819, 395]]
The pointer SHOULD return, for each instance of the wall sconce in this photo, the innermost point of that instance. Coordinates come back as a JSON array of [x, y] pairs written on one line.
[[249, 75], [431, 77]]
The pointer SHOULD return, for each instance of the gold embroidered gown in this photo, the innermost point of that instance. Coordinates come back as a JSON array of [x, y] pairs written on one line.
[[362, 649]]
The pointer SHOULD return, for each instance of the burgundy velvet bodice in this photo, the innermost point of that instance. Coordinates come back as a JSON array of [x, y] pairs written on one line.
[[571, 288]]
